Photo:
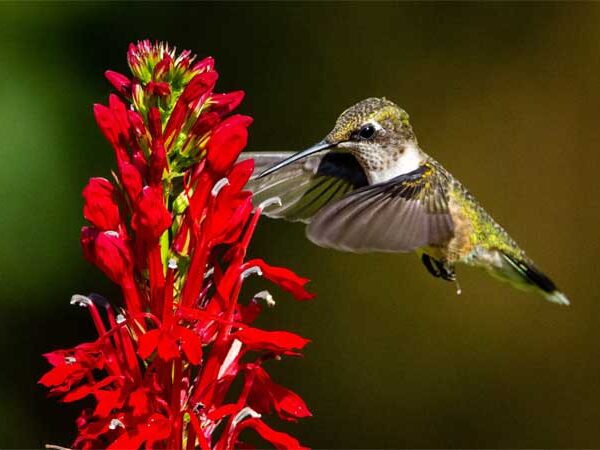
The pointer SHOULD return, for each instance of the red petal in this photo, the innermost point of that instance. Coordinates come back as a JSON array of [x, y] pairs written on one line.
[[106, 123], [127, 441], [240, 174], [285, 278], [119, 81], [131, 180], [205, 123], [190, 344], [164, 65], [100, 204], [223, 411], [155, 122], [199, 85], [59, 374], [288, 404], [151, 217], [226, 143], [206, 64], [167, 347], [147, 343], [156, 428], [109, 252], [278, 439], [107, 401], [78, 393], [275, 341], [223, 104], [250, 312], [160, 89], [139, 401]]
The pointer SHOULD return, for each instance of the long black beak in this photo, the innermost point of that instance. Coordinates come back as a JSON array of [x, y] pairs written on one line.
[[318, 147]]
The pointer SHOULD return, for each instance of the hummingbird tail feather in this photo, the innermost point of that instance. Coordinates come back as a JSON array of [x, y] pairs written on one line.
[[535, 278]]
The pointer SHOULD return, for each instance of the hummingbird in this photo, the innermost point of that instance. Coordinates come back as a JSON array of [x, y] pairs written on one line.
[[369, 187]]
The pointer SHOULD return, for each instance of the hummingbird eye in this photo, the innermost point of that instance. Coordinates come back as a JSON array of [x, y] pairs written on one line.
[[367, 131]]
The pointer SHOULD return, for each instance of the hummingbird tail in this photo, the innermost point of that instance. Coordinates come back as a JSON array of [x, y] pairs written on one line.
[[535, 278]]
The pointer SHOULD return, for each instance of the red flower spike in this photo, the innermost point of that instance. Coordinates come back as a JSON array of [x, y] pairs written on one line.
[[100, 204], [160, 373]]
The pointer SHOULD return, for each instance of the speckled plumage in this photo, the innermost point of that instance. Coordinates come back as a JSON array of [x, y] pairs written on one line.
[[392, 198]]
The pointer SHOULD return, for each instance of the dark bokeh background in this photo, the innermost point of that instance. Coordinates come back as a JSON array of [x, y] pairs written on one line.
[[506, 96]]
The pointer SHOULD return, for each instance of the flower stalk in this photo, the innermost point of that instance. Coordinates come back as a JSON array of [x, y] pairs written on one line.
[[172, 230]]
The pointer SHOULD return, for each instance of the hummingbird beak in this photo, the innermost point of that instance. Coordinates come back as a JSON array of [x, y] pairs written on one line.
[[318, 147]]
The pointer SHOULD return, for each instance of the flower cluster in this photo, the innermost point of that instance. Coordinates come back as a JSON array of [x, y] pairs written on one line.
[[172, 230]]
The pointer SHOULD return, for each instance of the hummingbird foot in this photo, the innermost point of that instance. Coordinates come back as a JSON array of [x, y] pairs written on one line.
[[439, 269], [431, 268], [447, 271]]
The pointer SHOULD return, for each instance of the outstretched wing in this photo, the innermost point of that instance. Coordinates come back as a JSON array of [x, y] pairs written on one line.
[[400, 215], [304, 186]]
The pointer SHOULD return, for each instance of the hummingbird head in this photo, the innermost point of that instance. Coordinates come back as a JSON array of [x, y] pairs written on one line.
[[371, 121], [377, 133]]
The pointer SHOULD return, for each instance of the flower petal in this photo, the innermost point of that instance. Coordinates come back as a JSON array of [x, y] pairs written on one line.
[[278, 439], [147, 343], [226, 143], [285, 278], [275, 341], [100, 204], [190, 344], [167, 347], [151, 217]]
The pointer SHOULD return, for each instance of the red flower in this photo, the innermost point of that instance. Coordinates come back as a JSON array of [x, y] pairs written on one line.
[[278, 439], [109, 251], [173, 232], [151, 217], [288, 404], [285, 278], [282, 342], [167, 343], [226, 143], [120, 82], [160, 89], [100, 204]]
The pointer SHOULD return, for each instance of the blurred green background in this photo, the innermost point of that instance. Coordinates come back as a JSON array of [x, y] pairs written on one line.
[[507, 96]]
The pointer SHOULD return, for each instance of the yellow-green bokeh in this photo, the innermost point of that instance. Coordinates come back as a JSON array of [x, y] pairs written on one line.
[[506, 96]]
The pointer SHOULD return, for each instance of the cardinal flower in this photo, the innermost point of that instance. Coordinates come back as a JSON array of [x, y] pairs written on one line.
[[172, 231]]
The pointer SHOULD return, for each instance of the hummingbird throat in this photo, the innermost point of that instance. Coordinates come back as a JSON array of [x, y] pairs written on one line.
[[383, 167]]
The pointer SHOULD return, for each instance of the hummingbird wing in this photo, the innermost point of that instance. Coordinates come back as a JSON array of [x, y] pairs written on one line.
[[400, 215], [304, 186]]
